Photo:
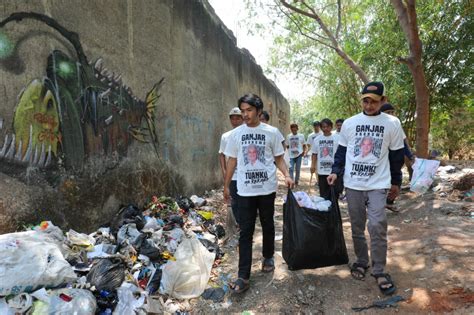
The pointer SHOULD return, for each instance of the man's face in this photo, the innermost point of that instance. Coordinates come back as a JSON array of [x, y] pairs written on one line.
[[252, 154], [316, 129], [262, 118], [338, 126], [236, 120], [294, 130], [326, 128], [371, 106], [366, 147], [250, 115]]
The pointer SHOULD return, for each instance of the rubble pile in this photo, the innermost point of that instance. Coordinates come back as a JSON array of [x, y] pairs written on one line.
[[137, 264]]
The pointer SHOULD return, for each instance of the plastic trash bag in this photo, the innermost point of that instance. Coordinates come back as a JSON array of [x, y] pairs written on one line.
[[72, 301], [127, 303], [126, 215], [187, 277], [31, 260], [107, 274], [312, 239], [129, 232], [423, 174]]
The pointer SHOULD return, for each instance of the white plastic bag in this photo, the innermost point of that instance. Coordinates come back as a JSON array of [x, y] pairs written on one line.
[[187, 277], [128, 304], [423, 174], [82, 302], [32, 259]]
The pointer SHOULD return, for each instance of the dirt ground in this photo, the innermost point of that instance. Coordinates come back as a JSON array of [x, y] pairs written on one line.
[[430, 258]]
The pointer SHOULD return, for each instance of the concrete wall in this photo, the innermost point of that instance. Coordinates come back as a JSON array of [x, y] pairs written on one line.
[[144, 40]]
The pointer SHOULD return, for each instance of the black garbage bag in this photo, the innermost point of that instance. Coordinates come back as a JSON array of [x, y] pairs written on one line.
[[311, 238], [107, 274], [149, 249], [212, 247], [155, 281], [217, 230], [128, 214], [185, 203]]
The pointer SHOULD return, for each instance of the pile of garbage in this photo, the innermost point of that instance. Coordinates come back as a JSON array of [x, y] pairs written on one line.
[[166, 249]]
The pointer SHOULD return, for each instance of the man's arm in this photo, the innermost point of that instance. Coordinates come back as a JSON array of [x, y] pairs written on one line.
[[281, 165], [396, 159], [314, 162], [339, 164], [304, 149], [222, 163], [230, 168]]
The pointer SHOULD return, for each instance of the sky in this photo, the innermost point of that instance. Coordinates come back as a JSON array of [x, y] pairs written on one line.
[[233, 11]]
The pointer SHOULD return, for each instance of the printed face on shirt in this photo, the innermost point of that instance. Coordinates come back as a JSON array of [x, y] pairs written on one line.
[[366, 146], [252, 154], [236, 120], [371, 106], [250, 115], [325, 151]]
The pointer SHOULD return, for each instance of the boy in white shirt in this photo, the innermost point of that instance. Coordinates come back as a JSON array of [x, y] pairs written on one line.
[[297, 149], [253, 147], [323, 149]]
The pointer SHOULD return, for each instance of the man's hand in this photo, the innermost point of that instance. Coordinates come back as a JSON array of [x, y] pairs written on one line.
[[227, 197], [289, 182], [393, 192], [332, 179]]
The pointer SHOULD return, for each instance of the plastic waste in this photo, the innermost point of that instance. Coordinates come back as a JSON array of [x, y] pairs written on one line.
[[198, 202], [31, 260], [150, 249], [20, 303], [185, 203], [107, 274], [101, 251], [423, 174], [80, 239], [126, 215], [72, 301], [214, 294], [312, 202], [129, 232], [187, 277], [127, 303], [206, 214]]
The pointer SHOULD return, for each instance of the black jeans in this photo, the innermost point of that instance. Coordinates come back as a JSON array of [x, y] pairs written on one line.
[[325, 188], [248, 207], [234, 200]]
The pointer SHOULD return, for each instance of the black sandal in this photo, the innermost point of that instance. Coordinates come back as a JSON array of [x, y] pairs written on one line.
[[268, 265], [240, 285], [388, 280], [358, 271]]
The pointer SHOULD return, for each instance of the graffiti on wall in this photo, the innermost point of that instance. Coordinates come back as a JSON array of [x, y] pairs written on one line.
[[77, 111]]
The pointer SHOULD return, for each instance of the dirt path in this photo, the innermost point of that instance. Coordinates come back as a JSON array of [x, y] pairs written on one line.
[[430, 258]]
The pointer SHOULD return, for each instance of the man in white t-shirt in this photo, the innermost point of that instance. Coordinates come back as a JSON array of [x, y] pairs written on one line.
[[253, 147], [370, 156], [323, 149], [235, 117], [297, 149]]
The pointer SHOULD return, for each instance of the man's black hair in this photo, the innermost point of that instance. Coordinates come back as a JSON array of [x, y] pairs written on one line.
[[316, 123], [340, 120], [251, 99], [326, 121], [266, 115]]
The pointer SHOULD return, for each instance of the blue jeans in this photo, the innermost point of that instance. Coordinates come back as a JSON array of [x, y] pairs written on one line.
[[295, 163]]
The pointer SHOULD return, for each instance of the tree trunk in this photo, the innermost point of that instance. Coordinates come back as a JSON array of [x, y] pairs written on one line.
[[406, 14]]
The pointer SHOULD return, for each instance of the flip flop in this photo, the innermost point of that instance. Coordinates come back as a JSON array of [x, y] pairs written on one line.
[[240, 285], [268, 265]]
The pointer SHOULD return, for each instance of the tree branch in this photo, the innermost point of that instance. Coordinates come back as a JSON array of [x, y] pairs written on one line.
[[338, 28]]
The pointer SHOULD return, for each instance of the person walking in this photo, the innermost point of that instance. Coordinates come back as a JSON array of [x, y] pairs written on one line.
[[252, 148], [368, 180]]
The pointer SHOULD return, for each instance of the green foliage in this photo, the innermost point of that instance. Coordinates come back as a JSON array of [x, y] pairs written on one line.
[[370, 33]]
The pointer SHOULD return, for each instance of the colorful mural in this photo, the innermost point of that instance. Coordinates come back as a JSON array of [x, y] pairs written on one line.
[[77, 111]]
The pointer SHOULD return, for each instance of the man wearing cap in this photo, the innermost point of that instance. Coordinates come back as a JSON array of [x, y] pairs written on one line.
[[235, 117], [388, 108], [256, 185], [367, 181]]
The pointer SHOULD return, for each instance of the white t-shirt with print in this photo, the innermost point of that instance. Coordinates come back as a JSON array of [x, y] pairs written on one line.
[[325, 148], [313, 136], [295, 144], [224, 139], [368, 140], [255, 149]]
